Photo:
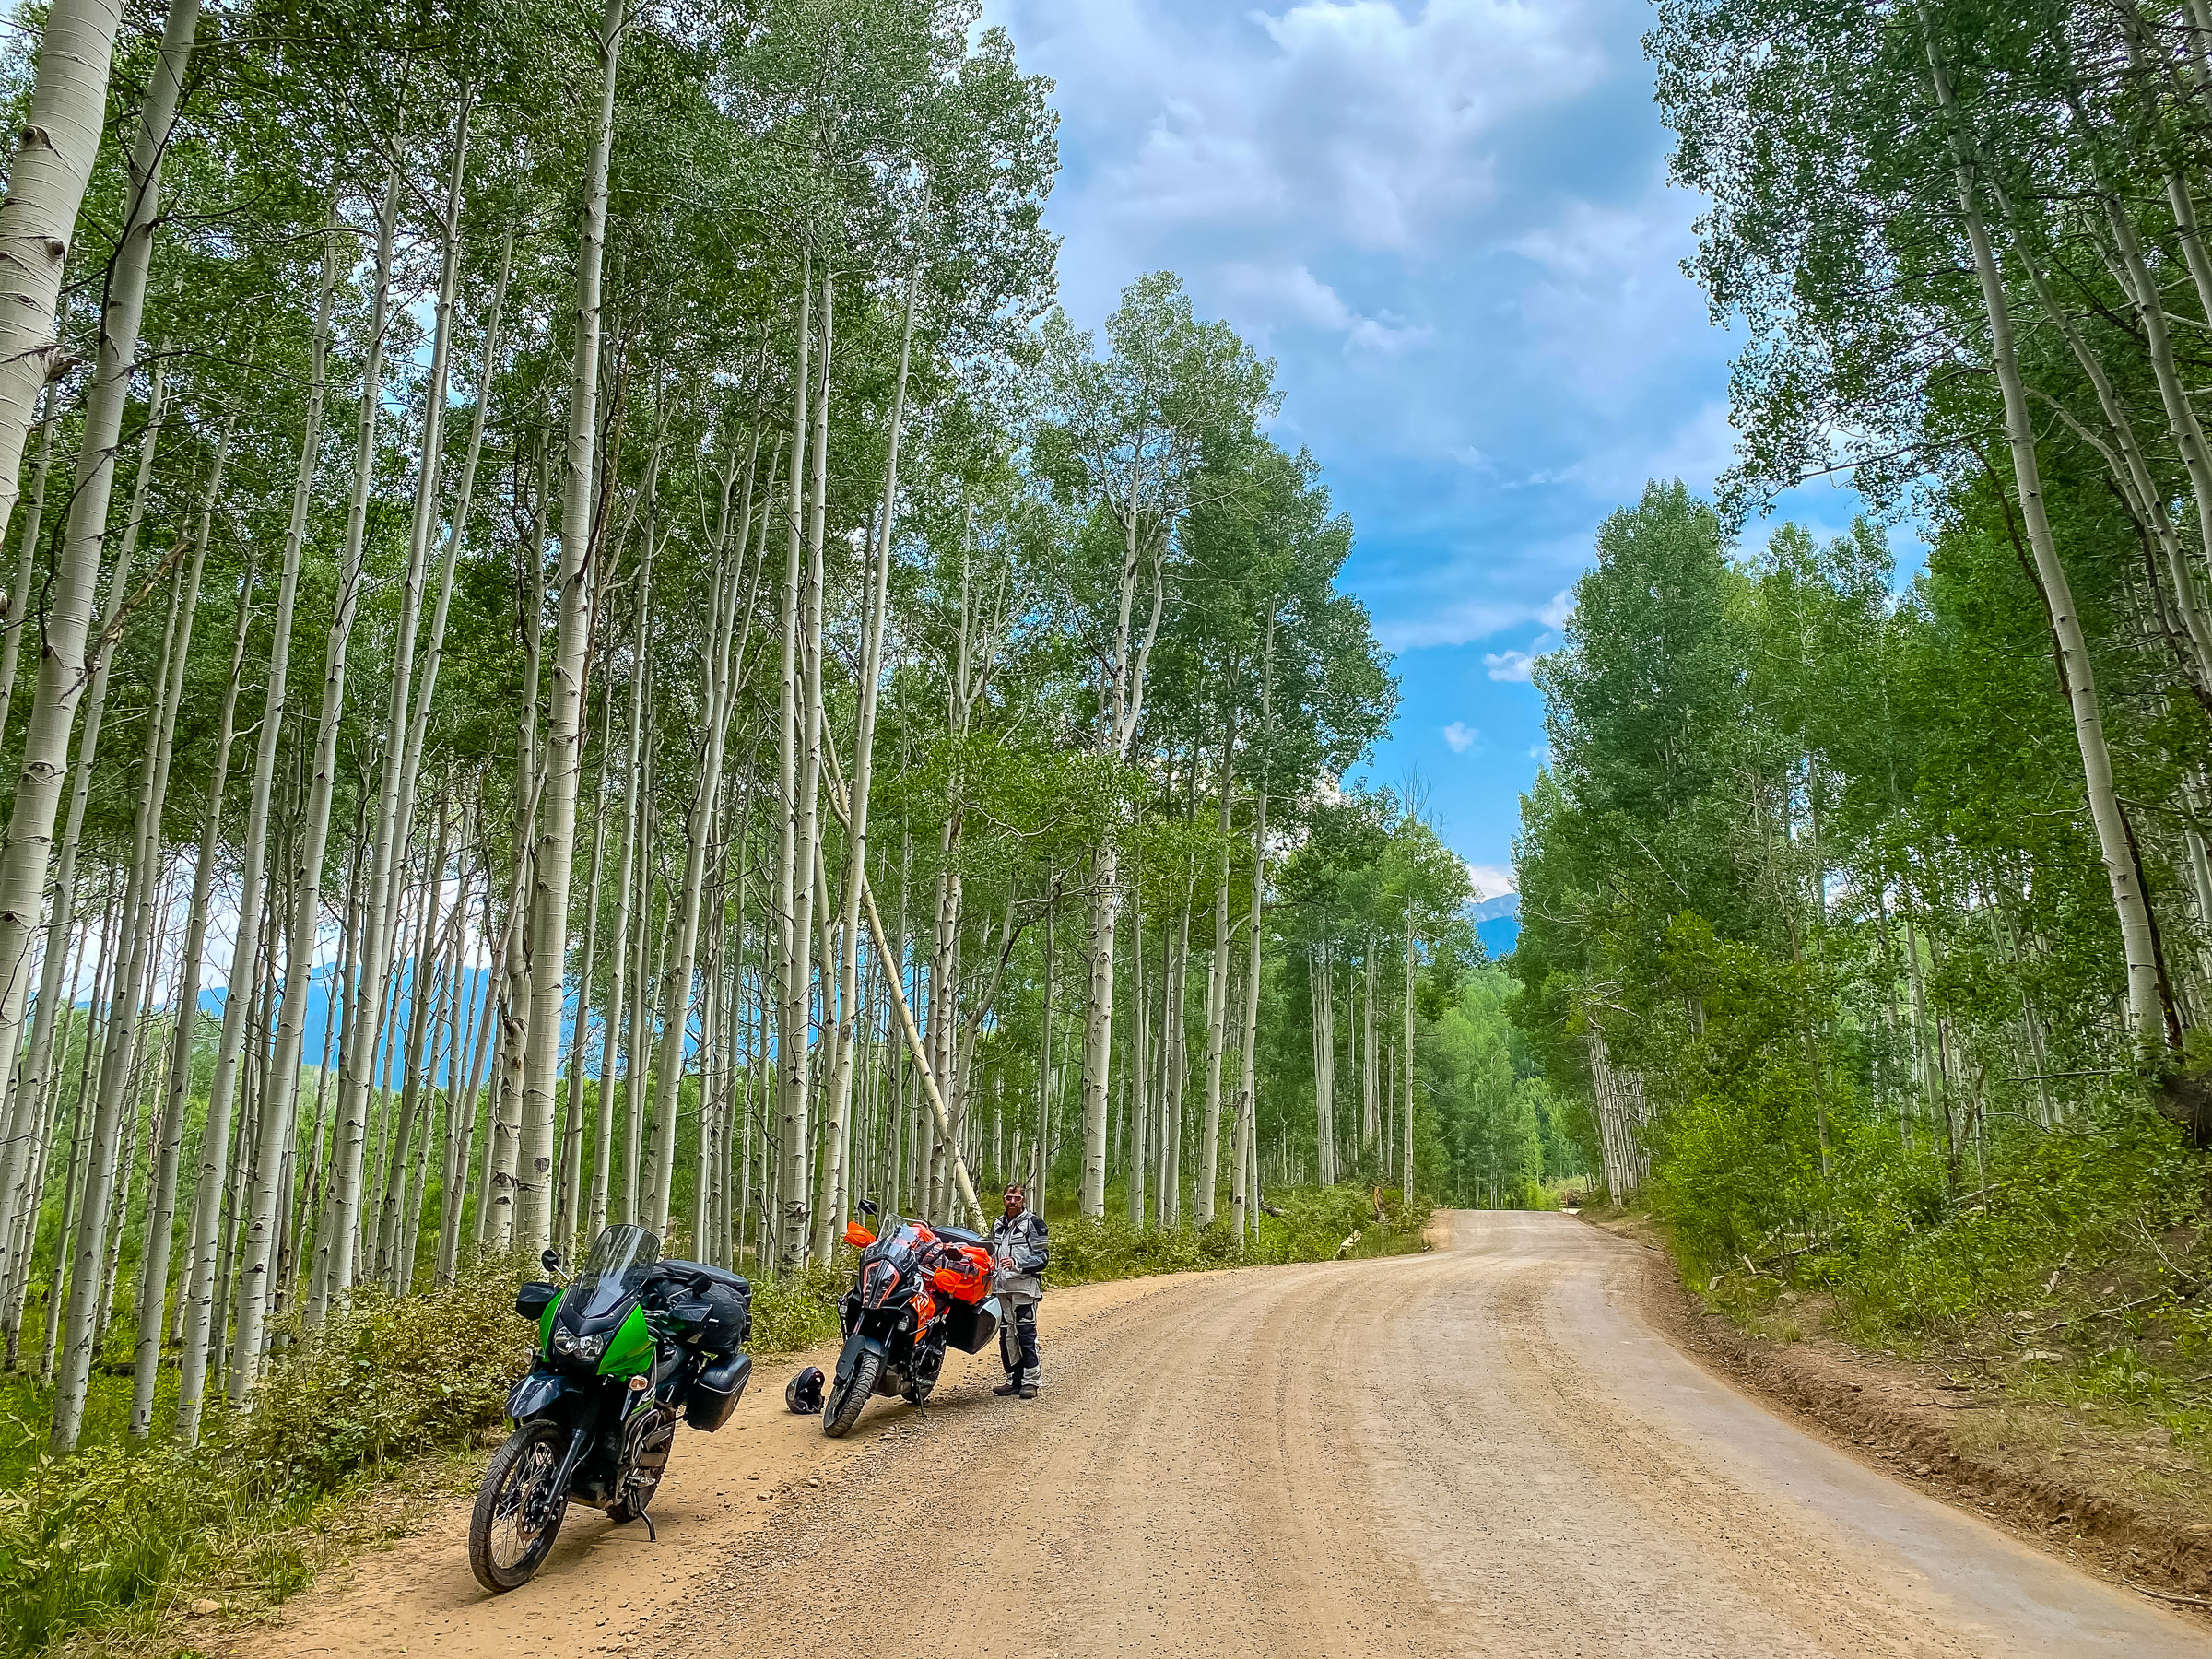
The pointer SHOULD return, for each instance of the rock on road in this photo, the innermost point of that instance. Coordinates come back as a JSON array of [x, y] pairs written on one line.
[[1480, 1450]]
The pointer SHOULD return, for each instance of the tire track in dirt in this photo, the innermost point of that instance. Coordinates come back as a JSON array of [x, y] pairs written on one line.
[[1482, 1451]]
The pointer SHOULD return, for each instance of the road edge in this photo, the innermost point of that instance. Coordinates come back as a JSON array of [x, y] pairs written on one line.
[[2116, 1540]]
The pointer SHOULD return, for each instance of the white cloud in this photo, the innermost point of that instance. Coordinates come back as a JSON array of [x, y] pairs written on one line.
[[1295, 294], [1461, 736], [1540, 753], [1490, 879], [1512, 666]]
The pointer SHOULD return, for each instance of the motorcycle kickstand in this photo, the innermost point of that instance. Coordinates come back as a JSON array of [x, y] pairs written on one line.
[[652, 1536]]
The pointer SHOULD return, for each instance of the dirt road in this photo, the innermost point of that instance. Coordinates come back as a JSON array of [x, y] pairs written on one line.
[[1482, 1451]]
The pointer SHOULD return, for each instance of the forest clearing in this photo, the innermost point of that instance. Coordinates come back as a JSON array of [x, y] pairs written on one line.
[[648, 653]]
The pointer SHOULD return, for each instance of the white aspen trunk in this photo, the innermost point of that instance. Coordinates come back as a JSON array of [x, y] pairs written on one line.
[[495, 1208], [38, 217], [26, 568], [47, 181], [835, 1195], [1405, 1169], [792, 1015], [1247, 1155], [566, 1206], [2145, 1010], [19, 1199], [1097, 1025], [1217, 998], [365, 1045], [633, 812], [714, 697], [393, 1205], [1370, 1076], [1178, 1007], [1139, 1058], [91, 1285], [314, 837], [161, 1228], [638, 1047], [564, 757], [461, 1111]]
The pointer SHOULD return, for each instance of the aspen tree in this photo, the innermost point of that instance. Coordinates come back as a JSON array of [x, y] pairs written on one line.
[[46, 182], [835, 1195], [714, 698], [313, 836], [160, 1226], [37, 218], [365, 1047], [563, 761], [2148, 1014], [792, 1021], [26, 566]]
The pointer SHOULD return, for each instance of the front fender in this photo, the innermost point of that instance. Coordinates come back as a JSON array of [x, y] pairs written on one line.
[[537, 1395], [857, 1344]]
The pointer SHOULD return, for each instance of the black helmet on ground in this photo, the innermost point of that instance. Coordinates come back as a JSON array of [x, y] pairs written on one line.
[[803, 1393]]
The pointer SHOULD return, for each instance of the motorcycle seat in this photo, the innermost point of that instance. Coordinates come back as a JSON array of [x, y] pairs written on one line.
[[954, 1235]]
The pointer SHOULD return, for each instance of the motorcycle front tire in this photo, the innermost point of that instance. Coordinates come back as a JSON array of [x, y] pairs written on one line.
[[844, 1408], [529, 1454]]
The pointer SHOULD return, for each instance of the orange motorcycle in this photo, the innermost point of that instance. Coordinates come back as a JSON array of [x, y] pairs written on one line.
[[921, 1288]]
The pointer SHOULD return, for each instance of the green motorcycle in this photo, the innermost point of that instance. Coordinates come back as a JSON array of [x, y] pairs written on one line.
[[628, 1349]]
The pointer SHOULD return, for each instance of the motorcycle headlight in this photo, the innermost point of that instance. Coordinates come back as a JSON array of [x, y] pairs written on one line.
[[590, 1347], [564, 1342]]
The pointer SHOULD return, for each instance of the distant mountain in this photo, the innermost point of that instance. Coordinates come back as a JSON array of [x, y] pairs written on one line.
[[1498, 924]]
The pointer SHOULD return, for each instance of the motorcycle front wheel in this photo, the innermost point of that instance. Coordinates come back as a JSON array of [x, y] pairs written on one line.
[[518, 1515], [844, 1410]]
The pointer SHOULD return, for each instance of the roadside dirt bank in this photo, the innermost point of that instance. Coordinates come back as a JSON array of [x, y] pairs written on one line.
[[1484, 1450], [2117, 1500]]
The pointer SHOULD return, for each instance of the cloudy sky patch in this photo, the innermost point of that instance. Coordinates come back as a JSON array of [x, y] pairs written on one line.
[[1448, 222]]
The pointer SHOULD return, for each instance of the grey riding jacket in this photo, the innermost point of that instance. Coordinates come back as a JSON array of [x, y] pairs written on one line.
[[1020, 1253]]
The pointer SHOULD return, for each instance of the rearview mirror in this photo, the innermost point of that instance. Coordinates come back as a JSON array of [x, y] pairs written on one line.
[[868, 1206], [551, 1261]]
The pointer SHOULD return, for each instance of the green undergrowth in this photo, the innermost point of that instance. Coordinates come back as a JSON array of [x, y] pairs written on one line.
[[95, 1549], [2072, 1265]]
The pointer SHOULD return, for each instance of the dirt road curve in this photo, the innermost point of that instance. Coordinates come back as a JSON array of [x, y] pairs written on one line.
[[1482, 1451]]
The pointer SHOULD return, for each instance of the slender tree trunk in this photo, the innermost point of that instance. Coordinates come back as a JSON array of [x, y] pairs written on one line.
[[334, 1241], [793, 1034], [2147, 1016], [714, 698], [1217, 994], [27, 570], [388, 856], [37, 220], [557, 834], [47, 181], [153, 1271], [1405, 1166], [831, 1210], [92, 1282], [19, 1199]]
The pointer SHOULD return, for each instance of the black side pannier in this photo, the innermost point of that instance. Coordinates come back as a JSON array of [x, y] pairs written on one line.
[[532, 1301], [972, 1325], [714, 1393]]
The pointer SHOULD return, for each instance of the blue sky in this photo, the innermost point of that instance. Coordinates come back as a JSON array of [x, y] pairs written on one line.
[[1449, 224]]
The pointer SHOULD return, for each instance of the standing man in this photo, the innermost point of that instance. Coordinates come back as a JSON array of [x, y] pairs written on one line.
[[1019, 1252]]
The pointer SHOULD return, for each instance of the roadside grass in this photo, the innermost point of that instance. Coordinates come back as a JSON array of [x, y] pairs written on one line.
[[394, 1400]]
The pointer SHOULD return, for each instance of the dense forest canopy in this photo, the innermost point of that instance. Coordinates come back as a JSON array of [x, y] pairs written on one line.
[[584, 641], [1866, 921]]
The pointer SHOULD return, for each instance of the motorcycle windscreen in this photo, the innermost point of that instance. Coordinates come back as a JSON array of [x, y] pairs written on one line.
[[969, 1326], [619, 1261]]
